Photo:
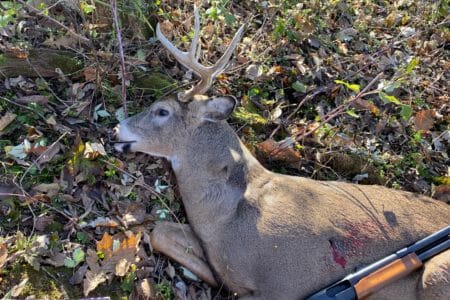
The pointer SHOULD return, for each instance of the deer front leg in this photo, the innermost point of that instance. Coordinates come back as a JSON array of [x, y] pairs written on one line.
[[178, 242], [436, 278]]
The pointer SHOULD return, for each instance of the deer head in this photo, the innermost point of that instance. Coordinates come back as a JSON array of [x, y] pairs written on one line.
[[165, 126]]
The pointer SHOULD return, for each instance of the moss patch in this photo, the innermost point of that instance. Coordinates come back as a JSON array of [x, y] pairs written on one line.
[[153, 83], [39, 284]]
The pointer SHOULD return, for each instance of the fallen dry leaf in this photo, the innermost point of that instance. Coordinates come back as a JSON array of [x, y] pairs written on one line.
[[442, 193], [78, 276], [272, 150], [65, 42], [167, 28], [122, 267], [56, 260], [103, 222], [6, 120], [50, 189], [366, 105], [32, 99], [90, 73], [37, 198], [133, 213], [424, 119], [94, 150], [17, 289], [91, 260], [49, 154], [115, 252], [144, 289], [92, 280], [3, 255], [118, 257], [43, 221], [18, 52], [33, 133]]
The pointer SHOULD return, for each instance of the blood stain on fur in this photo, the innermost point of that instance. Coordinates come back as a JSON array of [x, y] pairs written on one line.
[[337, 256]]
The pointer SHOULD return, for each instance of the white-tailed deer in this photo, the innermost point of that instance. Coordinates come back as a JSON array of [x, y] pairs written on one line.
[[265, 235]]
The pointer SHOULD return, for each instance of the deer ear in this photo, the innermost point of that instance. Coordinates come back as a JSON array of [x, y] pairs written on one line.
[[218, 108]]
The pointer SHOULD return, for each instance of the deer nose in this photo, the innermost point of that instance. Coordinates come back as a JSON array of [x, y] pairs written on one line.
[[116, 131]]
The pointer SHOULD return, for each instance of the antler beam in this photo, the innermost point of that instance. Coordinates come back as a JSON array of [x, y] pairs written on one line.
[[188, 59]]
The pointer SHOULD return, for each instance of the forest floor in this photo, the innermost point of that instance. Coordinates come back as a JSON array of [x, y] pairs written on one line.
[[332, 90]]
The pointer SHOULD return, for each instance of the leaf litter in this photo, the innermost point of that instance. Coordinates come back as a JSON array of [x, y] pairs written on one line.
[[78, 205]]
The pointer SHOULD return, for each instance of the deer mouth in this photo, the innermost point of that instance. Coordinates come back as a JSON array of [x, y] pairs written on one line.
[[123, 146]]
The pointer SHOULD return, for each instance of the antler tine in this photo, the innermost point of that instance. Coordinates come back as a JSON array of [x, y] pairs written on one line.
[[189, 59], [193, 50], [220, 65]]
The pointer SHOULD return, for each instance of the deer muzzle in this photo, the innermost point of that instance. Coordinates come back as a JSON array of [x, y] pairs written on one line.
[[124, 138]]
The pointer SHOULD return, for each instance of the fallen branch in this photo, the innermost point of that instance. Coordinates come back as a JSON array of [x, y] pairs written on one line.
[[122, 58], [330, 115]]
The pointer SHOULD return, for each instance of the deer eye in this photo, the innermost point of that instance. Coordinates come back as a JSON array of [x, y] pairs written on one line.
[[161, 112]]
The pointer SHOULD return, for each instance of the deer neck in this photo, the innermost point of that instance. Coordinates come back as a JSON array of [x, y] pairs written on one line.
[[213, 174]]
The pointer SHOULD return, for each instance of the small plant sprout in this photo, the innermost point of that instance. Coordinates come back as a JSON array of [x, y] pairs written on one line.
[[100, 113]]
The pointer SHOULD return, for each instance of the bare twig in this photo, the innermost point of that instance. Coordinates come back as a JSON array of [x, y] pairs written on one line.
[[304, 100], [12, 195], [24, 107], [81, 38], [330, 115], [48, 85], [144, 185], [122, 58]]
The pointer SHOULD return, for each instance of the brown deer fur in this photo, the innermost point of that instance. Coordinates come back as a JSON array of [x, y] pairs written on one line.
[[272, 236], [266, 235]]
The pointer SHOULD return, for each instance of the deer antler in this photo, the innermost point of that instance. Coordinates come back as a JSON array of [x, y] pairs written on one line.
[[188, 59]]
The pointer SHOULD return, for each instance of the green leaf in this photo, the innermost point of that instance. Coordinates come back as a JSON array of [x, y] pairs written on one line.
[[78, 255], [412, 64], [391, 87], [7, 4], [254, 91], [212, 13], [406, 112], [82, 237], [299, 87], [4, 20], [351, 86], [103, 113], [352, 113], [120, 114], [127, 283], [69, 263], [230, 19], [417, 136], [243, 115], [140, 54], [389, 98], [162, 214], [20, 151], [87, 8]]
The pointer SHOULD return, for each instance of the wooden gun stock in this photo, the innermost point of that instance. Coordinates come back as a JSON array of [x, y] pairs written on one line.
[[374, 277], [387, 275]]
